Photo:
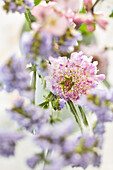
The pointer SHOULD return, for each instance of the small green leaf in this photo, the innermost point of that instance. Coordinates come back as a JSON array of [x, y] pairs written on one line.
[[31, 17], [45, 104], [36, 2], [111, 15], [83, 11], [83, 29]]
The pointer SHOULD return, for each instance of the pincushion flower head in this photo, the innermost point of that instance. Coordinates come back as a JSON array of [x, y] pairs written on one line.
[[69, 78]]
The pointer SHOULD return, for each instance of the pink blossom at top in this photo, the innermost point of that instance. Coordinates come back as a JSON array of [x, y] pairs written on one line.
[[87, 2], [50, 19], [98, 55], [66, 4], [69, 78], [79, 19], [42, 10], [89, 19]]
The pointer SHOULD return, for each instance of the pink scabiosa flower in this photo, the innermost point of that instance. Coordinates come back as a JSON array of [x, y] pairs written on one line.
[[69, 78]]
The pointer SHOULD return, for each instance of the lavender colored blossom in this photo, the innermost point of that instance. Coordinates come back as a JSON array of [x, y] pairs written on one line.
[[46, 45], [56, 161], [100, 102], [69, 43], [8, 140], [99, 128], [79, 151], [51, 135], [20, 9], [30, 117], [19, 6], [87, 159], [33, 161], [15, 76], [62, 103], [53, 161], [29, 3], [97, 162], [42, 68], [34, 45], [43, 44]]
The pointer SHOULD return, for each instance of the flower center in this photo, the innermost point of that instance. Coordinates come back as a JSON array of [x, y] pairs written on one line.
[[67, 84]]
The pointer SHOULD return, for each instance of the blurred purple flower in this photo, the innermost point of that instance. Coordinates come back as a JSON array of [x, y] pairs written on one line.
[[33, 161], [69, 43], [62, 103], [43, 44], [56, 161], [30, 117], [79, 151], [99, 129], [99, 101], [13, 5], [8, 141], [15, 76], [50, 136]]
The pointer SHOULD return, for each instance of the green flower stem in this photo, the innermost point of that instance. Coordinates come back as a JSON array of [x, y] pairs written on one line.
[[106, 83], [83, 116], [92, 9], [34, 84], [46, 155], [73, 110], [28, 19]]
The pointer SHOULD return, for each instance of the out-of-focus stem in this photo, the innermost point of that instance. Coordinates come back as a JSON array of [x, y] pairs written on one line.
[[92, 9], [84, 117], [34, 83], [106, 83], [74, 111]]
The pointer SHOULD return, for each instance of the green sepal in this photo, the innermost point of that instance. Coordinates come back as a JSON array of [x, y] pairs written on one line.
[[45, 105], [36, 2], [83, 29], [31, 17], [83, 11]]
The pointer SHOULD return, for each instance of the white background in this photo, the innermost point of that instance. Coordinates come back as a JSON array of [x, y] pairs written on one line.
[[10, 28]]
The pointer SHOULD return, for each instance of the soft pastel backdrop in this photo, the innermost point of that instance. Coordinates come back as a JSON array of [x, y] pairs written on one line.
[[10, 29]]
